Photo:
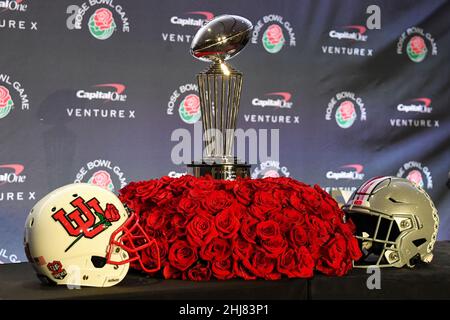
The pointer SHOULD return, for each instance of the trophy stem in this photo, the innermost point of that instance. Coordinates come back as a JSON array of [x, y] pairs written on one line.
[[220, 92]]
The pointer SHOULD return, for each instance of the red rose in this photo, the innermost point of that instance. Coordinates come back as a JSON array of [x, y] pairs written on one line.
[[168, 230], [226, 223], [179, 222], [242, 250], [305, 263], [248, 229], [287, 263], [156, 218], [223, 270], [298, 236], [333, 255], [319, 231], [274, 246], [263, 203], [243, 192], [182, 255], [178, 185], [217, 249], [200, 230], [187, 206], [261, 264], [311, 198], [111, 213], [217, 201], [198, 273], [103, 18], [149, 255], [296, 201], [268, 230], [241, 271], [170, 272]]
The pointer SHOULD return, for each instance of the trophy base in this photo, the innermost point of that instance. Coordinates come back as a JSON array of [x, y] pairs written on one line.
[[224, 171]]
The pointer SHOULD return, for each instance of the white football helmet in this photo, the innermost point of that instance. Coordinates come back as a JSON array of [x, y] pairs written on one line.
[[396, 222], [82, 235]]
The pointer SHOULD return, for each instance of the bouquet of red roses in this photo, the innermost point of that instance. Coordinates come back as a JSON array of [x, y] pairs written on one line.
[[248, 228]]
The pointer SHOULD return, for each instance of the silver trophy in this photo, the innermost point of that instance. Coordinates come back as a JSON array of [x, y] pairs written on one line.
[[220, 91]]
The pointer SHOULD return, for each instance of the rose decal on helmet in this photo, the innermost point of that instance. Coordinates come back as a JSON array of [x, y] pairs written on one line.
[[346, 114], [416, 49], [111, 213], [6, 102], [416, 178], [101, 24], [57, 270], [102, 179], [273, 38], [190, 109]]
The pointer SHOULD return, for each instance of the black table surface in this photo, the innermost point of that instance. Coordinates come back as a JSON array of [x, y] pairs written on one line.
[[18, 281]]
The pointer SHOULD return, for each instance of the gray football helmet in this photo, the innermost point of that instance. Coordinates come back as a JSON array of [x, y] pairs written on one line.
[[396, 222]]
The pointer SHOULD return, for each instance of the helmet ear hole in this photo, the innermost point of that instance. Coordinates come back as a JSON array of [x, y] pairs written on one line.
[[98, 262], [419, 242]]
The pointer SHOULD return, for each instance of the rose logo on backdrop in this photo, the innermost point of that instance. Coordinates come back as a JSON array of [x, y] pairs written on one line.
[[103, 21], [186, 99], [6, 102], [11, 93], [417, 173], [102, 179], [346, 112], [415, 176], [273, 38], [102, 173], [101, 24], [416, 49], [87, 220], [270, 169], [419, 44], [190, 109]]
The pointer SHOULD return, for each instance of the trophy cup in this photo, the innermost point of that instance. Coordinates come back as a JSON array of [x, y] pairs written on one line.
[[220, 91]]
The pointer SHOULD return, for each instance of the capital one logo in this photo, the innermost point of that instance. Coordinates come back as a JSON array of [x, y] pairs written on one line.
[[88, 219], [110, 95], [353, 32], [11, 173], [13, 5], [196, 21], [284, 102], [421, 105], [353, 172]]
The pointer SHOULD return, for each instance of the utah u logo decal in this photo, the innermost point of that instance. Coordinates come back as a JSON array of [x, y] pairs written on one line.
[[83, 222]]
